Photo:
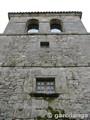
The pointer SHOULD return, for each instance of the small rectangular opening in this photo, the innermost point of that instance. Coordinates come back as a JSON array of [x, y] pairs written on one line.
[[45, 85], [44, 44]]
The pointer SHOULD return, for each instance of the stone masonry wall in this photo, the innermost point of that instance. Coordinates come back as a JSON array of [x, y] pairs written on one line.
[[17, 84], [64, 50], [22, 60]]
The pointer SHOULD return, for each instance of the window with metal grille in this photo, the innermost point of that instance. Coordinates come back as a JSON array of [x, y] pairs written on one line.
[[45, 85]]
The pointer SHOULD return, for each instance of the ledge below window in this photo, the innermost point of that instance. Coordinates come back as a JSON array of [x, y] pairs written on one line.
[[44, 94]]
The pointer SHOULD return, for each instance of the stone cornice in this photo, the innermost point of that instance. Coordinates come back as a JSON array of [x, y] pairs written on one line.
[[44, 34], [61, 13]]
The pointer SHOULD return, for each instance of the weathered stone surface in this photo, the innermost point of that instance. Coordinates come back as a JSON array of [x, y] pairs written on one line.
[[71, 84], [23, 60], [64, 50], [71, 22]]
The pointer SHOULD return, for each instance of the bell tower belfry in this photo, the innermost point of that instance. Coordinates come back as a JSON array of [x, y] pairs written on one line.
[[68, 22], [45, 67]]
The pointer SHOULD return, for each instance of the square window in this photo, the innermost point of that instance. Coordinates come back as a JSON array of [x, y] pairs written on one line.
[[44, 44], [45, 85]]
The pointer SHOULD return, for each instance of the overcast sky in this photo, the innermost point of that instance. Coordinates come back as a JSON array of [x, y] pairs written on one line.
[[44, 5]]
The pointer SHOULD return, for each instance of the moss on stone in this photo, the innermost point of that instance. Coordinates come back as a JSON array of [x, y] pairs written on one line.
[[62, 111], [52, 111], [49, 99], [41, 118]]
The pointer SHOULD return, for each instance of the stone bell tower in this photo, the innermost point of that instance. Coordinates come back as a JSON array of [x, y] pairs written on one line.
[[45, 67]]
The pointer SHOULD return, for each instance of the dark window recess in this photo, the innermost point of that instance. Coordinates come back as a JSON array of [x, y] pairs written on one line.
[[44, 44], [32, 26], [56, 26]]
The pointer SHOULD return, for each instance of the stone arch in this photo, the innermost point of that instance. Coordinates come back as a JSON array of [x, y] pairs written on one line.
[[32, 26], [56, 25]]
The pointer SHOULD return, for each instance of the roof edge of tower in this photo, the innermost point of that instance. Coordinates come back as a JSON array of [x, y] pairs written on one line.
[[62, 13]]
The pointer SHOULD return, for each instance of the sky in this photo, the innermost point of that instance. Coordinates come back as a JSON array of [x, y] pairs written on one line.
[[44, 5]]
